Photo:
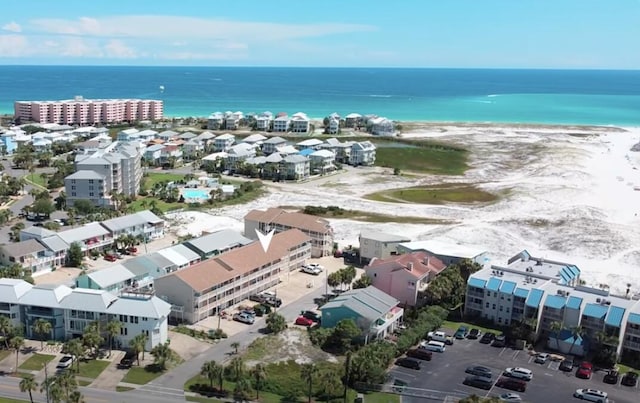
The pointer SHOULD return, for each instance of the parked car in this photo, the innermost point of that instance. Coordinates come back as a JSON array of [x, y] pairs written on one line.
[[132, 249], [474, 334], [611, 377], [420, 353], [510, 397], [487, 338], [433, 345], [249, 311], [479, 371], [110, 258], [259, 298], [478, 382], [408, 363], [440, 336], [592, 395], [244, 318], [512, 384], [461, 333], [585, 370], [127, 360], [499, 341], [519, 373], [273, 301], [314, 316], [541, 358], [566, 365], [65, 362], [302, 321], [312, 268], [630, 379]]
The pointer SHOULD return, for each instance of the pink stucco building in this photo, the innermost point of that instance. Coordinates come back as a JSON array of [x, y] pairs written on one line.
[[404, 277], [80, 111]]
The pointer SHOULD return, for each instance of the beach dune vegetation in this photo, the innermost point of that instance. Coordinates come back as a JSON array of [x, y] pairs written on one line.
[[435, 194]]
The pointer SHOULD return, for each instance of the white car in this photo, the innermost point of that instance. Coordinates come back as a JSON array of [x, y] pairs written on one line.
[[592, 395], [65, 362], [312, 268], [541, 358], [510, 397], [519, 373]]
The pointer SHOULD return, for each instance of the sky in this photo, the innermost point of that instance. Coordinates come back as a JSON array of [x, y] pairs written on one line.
[[565, 34]]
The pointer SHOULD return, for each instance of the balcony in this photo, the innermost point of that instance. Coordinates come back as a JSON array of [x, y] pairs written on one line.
[[631, 345], [394, 315]]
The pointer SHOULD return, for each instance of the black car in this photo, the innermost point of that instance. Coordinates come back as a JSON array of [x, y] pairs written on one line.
[[261, 299], [127, 360], [487, 338], [499, 341], [611, 377], [273, 301], [420, 353], [314, 316], [629, 379], [512, 384], [474, 334], [566, 365], [408, 363], [478, 382], [479, 371]]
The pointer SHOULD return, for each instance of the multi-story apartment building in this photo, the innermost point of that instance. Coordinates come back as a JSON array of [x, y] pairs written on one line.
[[318, 229], [143, 223], [543, 292], [70, 310], [33, 256], [213, 285], [114, 169], [80, 111]]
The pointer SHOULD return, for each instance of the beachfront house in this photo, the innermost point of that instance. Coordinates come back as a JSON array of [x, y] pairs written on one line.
[[380, 126], [362, 153], [300, 123], [281, 124], [223, 142], [232, 120], [264, 121], [333, 126], [353, 120], [405, 277], [322, 161], [270, 145], [296, 167], [215, 121]]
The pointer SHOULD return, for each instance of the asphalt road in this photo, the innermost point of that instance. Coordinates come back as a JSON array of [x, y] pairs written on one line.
[[443, 376]]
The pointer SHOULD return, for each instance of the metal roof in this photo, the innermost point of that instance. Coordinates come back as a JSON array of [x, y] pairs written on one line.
[[507, 287], [83, 233], [597, 311], [131, 220], [494, 284], [140, 266], [185, 252], [88, 300], [383, 236], [369, 303], [23, 248], [634, 318], [11, 289], [219, 240], [555, 301], [574, 302], [111, 275], [476, 282], [85, 174], [614, 318], [152, 307], [535, 296], [521, 292], [55, 243], [174, 257], [45, 295]]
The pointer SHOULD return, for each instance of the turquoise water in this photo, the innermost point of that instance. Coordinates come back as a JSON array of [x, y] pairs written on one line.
[[603, 97], [195, 194]]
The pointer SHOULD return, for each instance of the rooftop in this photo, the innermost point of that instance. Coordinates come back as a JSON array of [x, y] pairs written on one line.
[[219, 240], [132, 220], [23, 248], [110, 276], [305, 222], [383, 236], [81, 234], [444, 248], [418, 264], [369, 303], [85, 174]]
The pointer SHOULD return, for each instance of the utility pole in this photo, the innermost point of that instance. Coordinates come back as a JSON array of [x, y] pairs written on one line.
[[46, 382]]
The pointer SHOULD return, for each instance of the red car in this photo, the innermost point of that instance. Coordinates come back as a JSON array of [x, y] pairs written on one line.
[[110, 258], [302, 321], [585, 370], [132, 250]]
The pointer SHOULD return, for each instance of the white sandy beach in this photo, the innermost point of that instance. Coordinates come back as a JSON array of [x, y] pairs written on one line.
[[570, 198]]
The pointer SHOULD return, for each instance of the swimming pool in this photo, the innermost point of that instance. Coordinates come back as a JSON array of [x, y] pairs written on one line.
[[195, 194]]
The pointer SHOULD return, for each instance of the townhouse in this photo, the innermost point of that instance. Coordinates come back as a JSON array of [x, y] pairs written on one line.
[[404, 277], [34, 257], [545, 292], [143, 224], [207, 288], [318, 229], [216, 243], [448, 253], [70, 310], [374, 244]]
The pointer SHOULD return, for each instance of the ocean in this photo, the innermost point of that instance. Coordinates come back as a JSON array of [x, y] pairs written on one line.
[[585, 97]]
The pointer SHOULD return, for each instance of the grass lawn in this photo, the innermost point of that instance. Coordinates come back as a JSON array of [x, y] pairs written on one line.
[[151, 178], [453, 326], [370, 216], [37, 179], [82, 382], [434, 194], [143, 204], [140, 376], [123, 388], [7, 400], [92, 368], [4, 354], [431, 159], [625, 368], [36, 362]]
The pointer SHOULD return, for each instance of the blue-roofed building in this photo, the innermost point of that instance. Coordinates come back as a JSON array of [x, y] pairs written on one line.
[[306, 152], [507, 287], [494, 284], [535, 296], [552, 310], [565, 342], [613, 321], [593, 318], [631, 336]]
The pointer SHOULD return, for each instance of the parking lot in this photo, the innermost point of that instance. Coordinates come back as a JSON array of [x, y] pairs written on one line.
[[443, 376]]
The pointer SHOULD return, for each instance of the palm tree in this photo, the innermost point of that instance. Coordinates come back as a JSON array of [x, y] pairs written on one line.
[[28, 384], [555, 328], [307, 373], [42, 328], [138, 344], [76, 397], [235, 345], [259, 376], [113, 328], [5, 328], [16, 343], [576, 332], [67, 382], [76, 349], [211, 370], [162, 355], [236, 369]]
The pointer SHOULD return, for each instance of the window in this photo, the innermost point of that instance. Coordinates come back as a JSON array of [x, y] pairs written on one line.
[[73, 194], [123, 331], [487, 305], [495, 294], [499, 320], [500, 308], [73, 187], [507, 310], [133, 319], [494, 306], [145, 319], [90, 194]]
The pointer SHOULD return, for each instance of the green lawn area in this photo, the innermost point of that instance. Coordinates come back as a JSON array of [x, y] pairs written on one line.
[[625, 368], [92, 368], [143, 204], [453, 326], [4, 354], [123, 388], [82, 382], [151, 178], [370, 216], [7, 400], [140, 376], [435, 194], [431, 159], [36, 362], [265, 397], [37, 179]]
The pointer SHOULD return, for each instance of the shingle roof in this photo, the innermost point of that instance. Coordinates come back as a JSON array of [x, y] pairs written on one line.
[[37, 231], [418, 264], [47, 295], [369, 303], [152, 307], [23, 248], [301, 221], [219, 240], [275, 140], [83, 233], [238, 261]]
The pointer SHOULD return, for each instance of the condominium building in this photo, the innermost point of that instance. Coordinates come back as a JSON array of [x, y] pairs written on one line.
[[213, 285], [114, 169], [543, 292], [318, 229], [80, 111], [70, 310]]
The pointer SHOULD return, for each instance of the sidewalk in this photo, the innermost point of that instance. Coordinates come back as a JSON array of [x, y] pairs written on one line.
[[112, 375]]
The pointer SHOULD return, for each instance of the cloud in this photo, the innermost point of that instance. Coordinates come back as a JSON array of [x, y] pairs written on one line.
[[117, 49], [14, 46], [12, 27]]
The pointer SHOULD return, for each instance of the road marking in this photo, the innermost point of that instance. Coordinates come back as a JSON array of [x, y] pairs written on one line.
[[547, 374], [161, 387], [530, 359], [502, 352], [515, 354]]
